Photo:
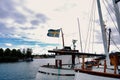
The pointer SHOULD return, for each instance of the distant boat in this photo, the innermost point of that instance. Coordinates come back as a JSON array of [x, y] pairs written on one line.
[[28, 59]]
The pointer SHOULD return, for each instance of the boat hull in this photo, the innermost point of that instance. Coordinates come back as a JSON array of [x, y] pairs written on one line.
[[85, 76], [45, 73]]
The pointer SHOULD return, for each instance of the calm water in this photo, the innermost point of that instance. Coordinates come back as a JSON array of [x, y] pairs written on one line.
[[20, 70], [26, 70]]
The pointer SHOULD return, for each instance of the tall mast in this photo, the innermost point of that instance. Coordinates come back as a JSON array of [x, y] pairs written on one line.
[[117, 13], [103, 30]]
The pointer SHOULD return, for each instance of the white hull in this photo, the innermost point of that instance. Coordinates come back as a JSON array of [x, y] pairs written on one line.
[[46, 73], [84, 76]]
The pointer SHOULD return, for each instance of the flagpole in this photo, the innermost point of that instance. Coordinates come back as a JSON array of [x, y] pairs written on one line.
[[62, 37]]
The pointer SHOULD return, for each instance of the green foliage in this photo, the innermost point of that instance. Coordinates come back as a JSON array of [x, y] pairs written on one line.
[[1, 52], [14, 55]]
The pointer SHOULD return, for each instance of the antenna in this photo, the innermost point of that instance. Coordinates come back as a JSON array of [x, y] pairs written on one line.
[[74, 41]]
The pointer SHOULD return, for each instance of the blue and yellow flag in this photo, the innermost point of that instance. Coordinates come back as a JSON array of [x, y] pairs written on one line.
[[53, 33]]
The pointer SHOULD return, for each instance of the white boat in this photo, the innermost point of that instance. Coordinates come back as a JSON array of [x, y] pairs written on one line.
[[68, 67], [66, 61], [62, 69]]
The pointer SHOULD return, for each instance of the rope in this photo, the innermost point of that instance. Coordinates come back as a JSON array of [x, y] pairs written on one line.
[[90, 28], [93, 29], [112, 21], [109, 13]]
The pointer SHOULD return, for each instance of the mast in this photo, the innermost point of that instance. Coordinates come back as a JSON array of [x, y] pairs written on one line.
[[109, 39], [62, 37], [117, 13], [80, 34], [103, 30]]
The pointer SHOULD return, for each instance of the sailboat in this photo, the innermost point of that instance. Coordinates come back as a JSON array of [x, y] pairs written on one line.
[[110, 70], [68, 67]]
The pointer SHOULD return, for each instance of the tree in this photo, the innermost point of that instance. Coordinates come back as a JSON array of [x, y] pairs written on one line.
[[29, 53], [1, 52], [20, 54], [7, 52], [14, 52]]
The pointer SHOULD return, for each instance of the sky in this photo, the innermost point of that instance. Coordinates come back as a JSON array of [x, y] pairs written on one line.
[[25, 24]]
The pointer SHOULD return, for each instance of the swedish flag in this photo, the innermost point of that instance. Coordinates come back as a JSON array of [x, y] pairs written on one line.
[[53, 33]]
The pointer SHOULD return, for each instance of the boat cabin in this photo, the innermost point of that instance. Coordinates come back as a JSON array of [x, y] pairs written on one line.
[[64, 57]]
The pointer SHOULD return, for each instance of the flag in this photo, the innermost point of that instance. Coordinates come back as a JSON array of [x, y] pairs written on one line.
[[53, 33], [116, 1]]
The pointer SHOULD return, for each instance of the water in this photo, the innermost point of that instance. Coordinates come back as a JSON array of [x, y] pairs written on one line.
[[29, 70], [20, 70]]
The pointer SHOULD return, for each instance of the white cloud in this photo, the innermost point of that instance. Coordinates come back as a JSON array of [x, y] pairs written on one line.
[[41, 50], [8, 44], [61, 14]]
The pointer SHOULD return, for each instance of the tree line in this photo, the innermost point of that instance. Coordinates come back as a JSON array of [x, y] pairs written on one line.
[[14, 55], [44, 56]]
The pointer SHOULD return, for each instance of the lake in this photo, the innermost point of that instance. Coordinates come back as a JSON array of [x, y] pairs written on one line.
[[21, 70]]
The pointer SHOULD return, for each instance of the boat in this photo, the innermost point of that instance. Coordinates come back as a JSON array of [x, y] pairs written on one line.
[[109, 68], [66, 60], [68, 65], [64, 68], [61, 69]]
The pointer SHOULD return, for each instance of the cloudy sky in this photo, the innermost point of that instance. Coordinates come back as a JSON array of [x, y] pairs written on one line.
[[25, 23]]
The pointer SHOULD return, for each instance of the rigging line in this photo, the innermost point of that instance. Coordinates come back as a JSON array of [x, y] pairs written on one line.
[[109, 4], [115, 44], [110, 16], [89, 40], [112, 8], [88, 27], [91, 28], [112, 19]]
